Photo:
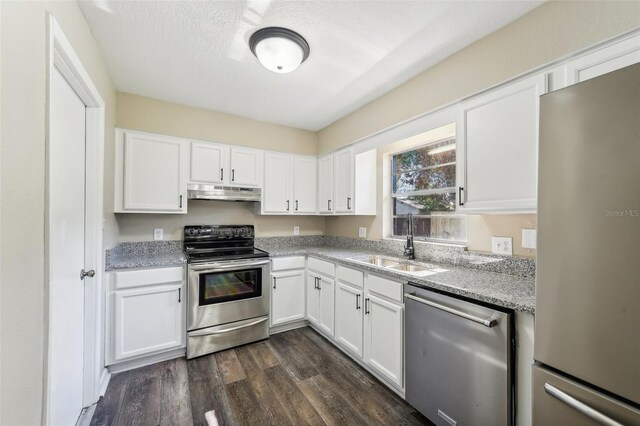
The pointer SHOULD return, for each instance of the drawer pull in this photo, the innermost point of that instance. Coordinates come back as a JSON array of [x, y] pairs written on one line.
[[579, 406], [226, 330]]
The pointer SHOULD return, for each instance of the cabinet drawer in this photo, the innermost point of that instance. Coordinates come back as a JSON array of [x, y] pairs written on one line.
[[145, 277], [282, 263], [322, 266], [350, 276], [384, 287]]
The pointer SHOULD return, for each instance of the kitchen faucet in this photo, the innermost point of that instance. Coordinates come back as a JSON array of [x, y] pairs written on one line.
[[409, 251]]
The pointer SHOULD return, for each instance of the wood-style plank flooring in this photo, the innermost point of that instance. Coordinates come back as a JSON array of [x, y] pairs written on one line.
[[293, 378]]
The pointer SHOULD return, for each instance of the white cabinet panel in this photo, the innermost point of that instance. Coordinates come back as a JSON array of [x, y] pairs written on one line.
[[147, 320], [325, 184], [343, 181], [605, 60], [383, 347], [246, 167], [327, 307], [499, 141], [304, 185], [287, 296], [154, 173], [276, 197], [349, 325], [209, 163], [313, 298]]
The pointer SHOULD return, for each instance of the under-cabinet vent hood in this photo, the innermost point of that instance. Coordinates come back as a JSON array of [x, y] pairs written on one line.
[[222, 193]]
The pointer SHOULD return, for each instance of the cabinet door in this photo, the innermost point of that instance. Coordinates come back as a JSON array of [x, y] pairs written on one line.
[[605, 60], [155, 173], [276, 197], [325, 184], [383, 338], [327, 307], [499, 148], [349, 326], [287, 296], [246, 167], [304, 185], [148, 320], [209, 163], [313, 299], [344, 181]]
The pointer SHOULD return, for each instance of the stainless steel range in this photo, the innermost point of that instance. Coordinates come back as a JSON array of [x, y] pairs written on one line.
[[228, 301]]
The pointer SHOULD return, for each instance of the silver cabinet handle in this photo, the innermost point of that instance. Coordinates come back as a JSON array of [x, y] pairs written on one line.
[[490, 322], [366, 306], [579, 406], [226, 330], [91, 273], [357, 301]]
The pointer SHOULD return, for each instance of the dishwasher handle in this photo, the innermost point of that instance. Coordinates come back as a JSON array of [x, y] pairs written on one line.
[[490, 322]]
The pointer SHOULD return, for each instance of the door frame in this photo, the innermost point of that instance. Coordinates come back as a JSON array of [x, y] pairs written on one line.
[[61, 55]]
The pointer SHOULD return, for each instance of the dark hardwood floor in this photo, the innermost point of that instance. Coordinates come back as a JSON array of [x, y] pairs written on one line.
[[293, 378]]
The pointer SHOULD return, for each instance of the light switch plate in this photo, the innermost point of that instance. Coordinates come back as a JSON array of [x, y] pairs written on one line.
[[529, 238], [296, 230], [362, 232], [502, 245], [158, 234]]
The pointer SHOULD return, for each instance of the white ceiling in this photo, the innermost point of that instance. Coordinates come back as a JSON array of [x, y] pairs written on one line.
[[196, 53]]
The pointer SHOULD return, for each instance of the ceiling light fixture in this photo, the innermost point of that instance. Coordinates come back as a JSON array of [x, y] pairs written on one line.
[[279, 49]]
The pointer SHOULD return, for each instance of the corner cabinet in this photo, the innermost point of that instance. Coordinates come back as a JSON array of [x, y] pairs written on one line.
[[151, 173], [289, 184], [498, 148]]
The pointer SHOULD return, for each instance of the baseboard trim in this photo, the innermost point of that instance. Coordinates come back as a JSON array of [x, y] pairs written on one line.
[[105, 377], [289, 326], [148, 360]]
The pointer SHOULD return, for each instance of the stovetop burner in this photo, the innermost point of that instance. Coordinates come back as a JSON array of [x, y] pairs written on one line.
[[204, 243]]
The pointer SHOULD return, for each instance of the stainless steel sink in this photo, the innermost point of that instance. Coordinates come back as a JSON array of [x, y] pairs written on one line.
[[408, 267], [380, 261], [400, 265]]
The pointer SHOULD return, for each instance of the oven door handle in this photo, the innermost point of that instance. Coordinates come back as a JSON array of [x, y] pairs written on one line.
[[226, 330], [225, 267]]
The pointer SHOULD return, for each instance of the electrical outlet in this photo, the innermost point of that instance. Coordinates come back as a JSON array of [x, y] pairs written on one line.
[[296, 230], [362, 232], [158, 234], [502, 245], [529, 238]]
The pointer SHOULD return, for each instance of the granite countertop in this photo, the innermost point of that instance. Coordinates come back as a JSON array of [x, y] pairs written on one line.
[[505, 290], [145, 254]]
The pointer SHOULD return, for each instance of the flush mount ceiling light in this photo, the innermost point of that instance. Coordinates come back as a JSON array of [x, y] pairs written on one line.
[[279, 49]]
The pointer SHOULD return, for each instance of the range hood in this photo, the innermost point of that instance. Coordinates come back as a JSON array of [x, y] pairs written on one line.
[[222, 193]]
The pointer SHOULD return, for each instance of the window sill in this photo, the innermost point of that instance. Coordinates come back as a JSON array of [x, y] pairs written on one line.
[[419, 240]]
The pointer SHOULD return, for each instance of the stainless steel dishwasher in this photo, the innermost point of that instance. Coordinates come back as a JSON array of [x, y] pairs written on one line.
[[459, 359]]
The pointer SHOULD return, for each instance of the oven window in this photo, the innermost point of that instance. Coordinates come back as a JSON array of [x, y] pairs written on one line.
[[221, 287]]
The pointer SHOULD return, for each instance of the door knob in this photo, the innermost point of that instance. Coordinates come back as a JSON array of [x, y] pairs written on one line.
[[91, 273]]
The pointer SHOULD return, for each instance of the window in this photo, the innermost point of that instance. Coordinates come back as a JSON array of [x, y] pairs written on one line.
[[424, 184]]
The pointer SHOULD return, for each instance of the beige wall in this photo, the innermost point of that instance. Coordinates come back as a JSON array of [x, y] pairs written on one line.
[[151, 115], [23, 75]]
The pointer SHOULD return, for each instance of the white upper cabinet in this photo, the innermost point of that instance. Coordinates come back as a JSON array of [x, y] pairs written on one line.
[[498, 137], [209, 163], [246, 167], [325, 184], [304, 184], [276, 197], [604, 60], [151, 173], [343, 181]]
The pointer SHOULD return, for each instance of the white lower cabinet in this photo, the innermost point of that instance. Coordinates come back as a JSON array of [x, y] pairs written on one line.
[[349, 313], [287, 296], [147, 313], [313, 299], [383, 337], [320, 301]]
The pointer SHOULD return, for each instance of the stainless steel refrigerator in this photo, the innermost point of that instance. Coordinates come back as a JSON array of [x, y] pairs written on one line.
[[587, 327]]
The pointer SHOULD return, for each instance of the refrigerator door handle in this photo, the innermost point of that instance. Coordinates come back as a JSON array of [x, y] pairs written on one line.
[[579, 406]]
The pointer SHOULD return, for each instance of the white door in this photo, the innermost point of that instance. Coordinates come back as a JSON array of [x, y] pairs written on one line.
[[276, 197], [313, 298], [287, 296], [349, 327], [155, 173], [67, 240], [327, 307], [344, 181], [209, 163], [325, 184], [148, 320], [383, 337], [246, 167], [304, 185]]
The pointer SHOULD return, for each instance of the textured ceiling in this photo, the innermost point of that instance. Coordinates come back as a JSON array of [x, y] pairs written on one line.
[[195, 53]]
